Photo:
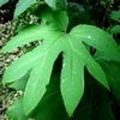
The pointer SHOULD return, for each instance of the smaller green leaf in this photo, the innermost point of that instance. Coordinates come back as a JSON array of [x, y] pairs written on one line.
[[3, 2], [57, 4], [16, 111], [112, 70], [22, 5], [115, 29], [115, 15], [54, 17]]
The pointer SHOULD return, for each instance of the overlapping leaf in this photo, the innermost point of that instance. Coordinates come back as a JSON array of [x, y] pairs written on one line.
[[115, 29], [115, 15], [22, 5], [95, 103], [57, 4], [40, 61], [112, 70]]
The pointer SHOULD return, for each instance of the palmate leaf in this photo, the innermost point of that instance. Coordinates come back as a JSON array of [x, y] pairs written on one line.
[[39, 62], [55, 17]]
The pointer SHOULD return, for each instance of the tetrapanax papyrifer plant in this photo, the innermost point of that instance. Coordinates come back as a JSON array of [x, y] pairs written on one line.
[[33, 71]]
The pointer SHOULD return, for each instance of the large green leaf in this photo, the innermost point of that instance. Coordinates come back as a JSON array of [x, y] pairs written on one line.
[[3, 2], [39, 62], [22, 5]]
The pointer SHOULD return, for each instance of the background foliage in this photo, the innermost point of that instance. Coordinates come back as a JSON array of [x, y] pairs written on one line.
[[65, 70]]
